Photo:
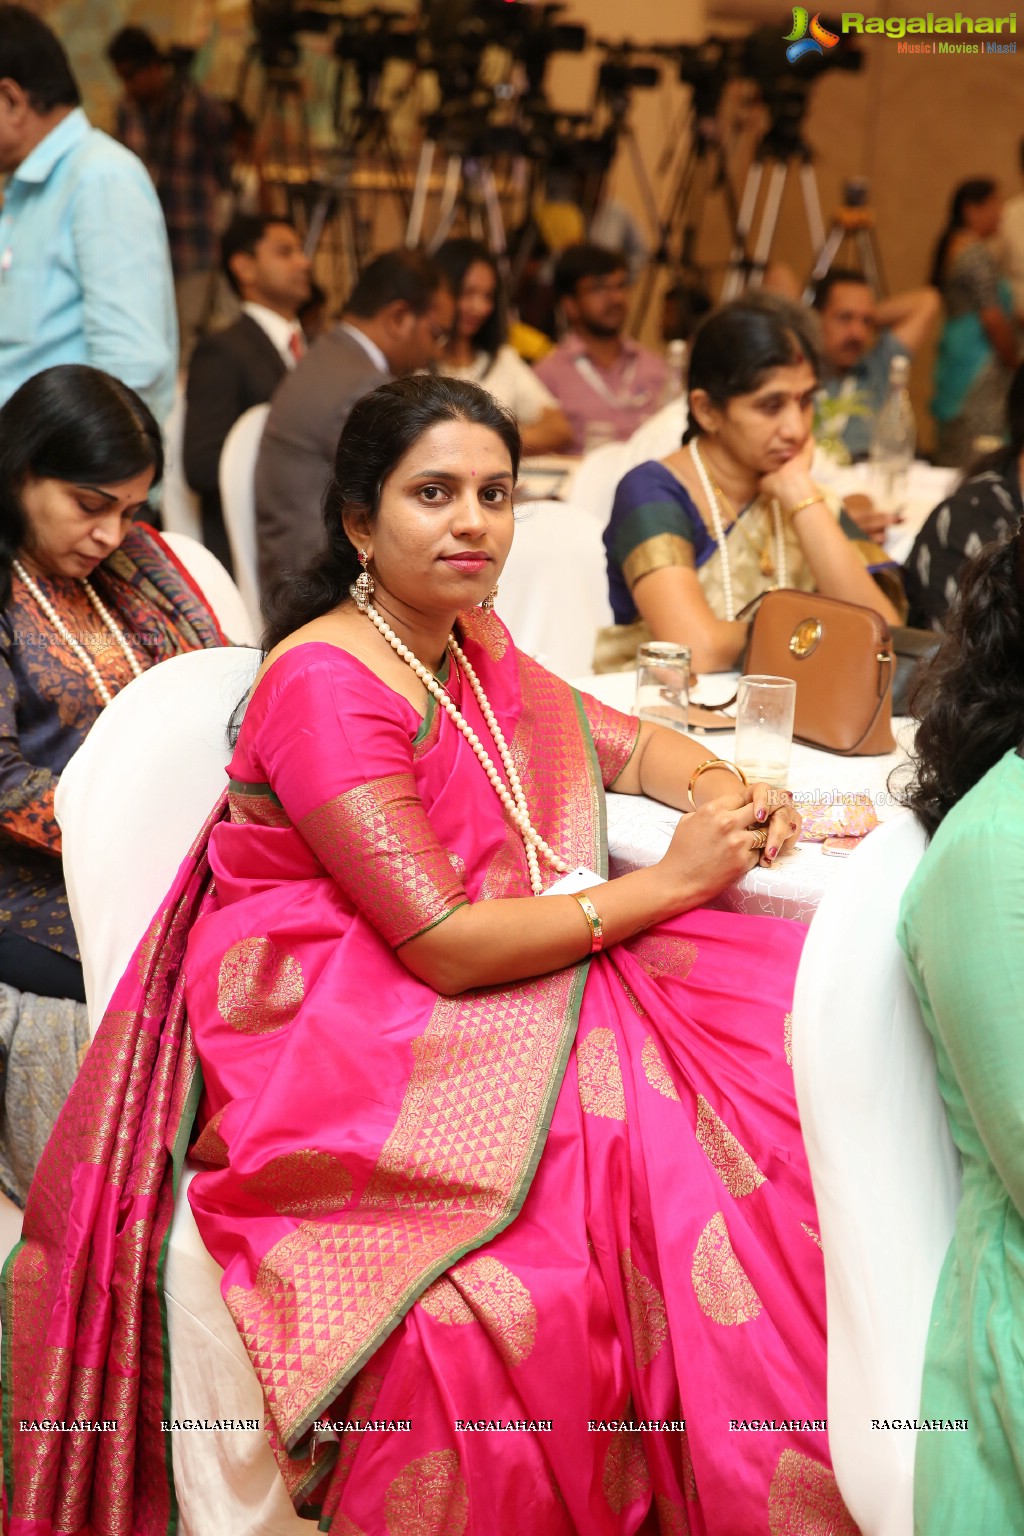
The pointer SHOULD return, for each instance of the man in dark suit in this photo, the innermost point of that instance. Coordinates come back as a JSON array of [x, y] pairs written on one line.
[[396, 321], [242, 366]]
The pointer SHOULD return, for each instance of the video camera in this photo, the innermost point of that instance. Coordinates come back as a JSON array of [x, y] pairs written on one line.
[[278, 23]]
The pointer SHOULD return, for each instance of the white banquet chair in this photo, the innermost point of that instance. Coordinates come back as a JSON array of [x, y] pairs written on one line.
[[217, 587], [592, 488], [179, 504], [885, 1171], [166, 736], [553, 592], [236, 475], [659, 436]]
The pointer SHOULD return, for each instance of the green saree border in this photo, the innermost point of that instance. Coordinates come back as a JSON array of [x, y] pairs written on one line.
[[5, 1372]]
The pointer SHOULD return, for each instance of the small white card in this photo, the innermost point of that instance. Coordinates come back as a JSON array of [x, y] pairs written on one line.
[[576, 880]]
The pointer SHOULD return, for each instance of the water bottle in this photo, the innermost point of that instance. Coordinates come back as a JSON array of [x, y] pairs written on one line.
[[893, 441], [675, 362]]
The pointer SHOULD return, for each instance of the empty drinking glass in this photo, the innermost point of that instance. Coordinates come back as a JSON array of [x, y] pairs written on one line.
[[764, 728], [663, 683]]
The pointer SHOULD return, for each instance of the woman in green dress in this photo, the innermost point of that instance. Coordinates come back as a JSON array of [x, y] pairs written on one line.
[[961, 928]]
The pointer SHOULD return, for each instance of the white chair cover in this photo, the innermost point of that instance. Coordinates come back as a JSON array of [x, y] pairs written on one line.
[[885, 1171], [236, 475], [217, 587], [134, 796], [658, 436], [592, 488], [553, 593], [129, 804], [179, 504]]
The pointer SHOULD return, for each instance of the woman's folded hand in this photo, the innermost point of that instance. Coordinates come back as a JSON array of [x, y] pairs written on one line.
[[724, 839]]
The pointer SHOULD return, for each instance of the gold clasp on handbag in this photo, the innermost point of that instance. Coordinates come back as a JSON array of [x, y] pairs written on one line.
[[804, 639]]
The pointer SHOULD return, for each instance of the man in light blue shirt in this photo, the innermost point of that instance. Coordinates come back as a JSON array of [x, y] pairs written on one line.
[[85, 271]]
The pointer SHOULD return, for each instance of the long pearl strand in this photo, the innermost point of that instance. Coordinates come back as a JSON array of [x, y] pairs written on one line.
[[719, 531], [514, 803], [65, 634]]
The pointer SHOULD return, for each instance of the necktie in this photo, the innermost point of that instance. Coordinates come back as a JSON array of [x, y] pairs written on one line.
[[296, 346]]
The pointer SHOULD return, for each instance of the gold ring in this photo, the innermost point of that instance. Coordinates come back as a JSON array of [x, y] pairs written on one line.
[[760, 840]]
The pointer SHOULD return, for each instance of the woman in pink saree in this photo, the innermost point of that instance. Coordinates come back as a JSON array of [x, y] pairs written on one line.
[[510, 1196]]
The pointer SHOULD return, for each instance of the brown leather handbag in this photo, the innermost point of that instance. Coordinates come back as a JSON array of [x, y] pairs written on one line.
[[840, 656]]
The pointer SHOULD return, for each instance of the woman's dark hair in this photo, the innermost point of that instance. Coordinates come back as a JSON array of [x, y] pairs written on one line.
[[380, 430], [69, 423], [740, 344], [455, 258], [970, 700], [33, 57], [969, 194]]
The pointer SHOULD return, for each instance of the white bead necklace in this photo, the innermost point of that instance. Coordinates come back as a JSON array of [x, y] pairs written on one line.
[[514, 803], [65, 634], [719, 532]]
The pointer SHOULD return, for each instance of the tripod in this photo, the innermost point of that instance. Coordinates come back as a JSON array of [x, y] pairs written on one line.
[[469, 187], [703, 170], [783, 154], [280, 117], [856, 224]]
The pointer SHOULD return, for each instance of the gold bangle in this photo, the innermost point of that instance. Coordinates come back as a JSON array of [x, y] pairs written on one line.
[[712, 762], [593, 918], [808, 501]]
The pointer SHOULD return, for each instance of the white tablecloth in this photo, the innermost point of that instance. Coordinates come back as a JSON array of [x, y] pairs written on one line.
[[927, 486], [639, 830]]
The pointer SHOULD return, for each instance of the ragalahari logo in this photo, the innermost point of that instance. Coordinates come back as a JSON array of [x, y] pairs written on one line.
[[798, 40]]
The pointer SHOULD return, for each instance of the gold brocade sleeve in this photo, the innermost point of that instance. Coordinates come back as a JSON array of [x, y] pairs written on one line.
[[615, 737], [377, 843], [654, 553]]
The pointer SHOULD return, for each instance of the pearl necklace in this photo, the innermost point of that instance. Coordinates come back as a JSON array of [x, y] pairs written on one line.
[[719, 532], [65, 634], [514, 803]]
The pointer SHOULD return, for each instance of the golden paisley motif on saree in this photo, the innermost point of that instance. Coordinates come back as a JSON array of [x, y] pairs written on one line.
[[815, 1239], [656, 1072], [661, 954], [787, 1037], [804, 1500], [687, 1478], [483, 1290], [720, 1284], [672, 1519], [626, 1476], [445, 1303], [303, 1183], [600, 1076], [648, 1319], [734, 1166], [260, 986], [428, 1498], [209, 1146]]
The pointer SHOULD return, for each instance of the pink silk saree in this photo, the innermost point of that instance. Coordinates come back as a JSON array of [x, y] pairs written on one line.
[[572, 1214]]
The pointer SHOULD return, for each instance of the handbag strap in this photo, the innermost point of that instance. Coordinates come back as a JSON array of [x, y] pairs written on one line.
[[889, 665]]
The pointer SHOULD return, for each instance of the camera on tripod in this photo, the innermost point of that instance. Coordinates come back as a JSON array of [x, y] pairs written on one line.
[[371, 38], [278, 23], [619, 74]]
